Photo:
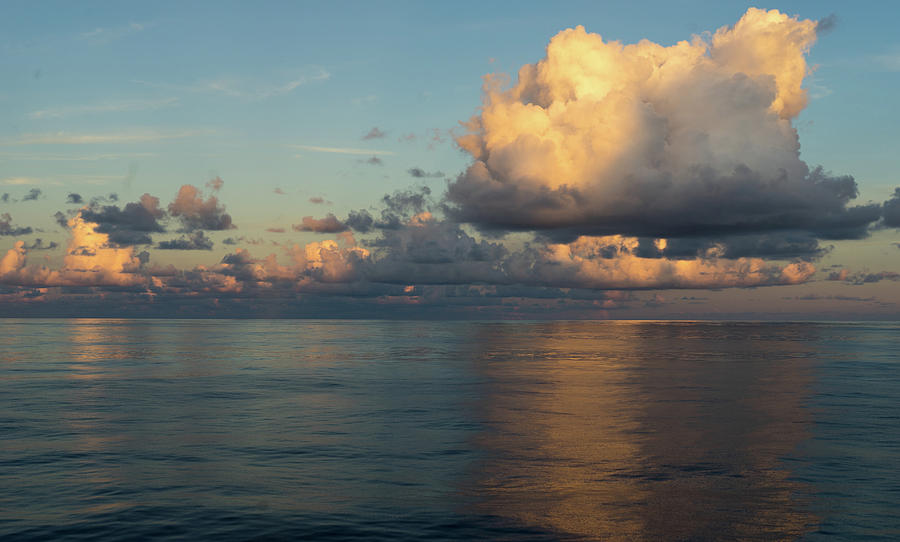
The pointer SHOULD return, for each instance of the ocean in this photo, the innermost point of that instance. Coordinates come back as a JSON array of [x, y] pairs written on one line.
[[397, 430]]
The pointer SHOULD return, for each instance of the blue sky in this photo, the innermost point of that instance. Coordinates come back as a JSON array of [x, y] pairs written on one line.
[[129, 98]]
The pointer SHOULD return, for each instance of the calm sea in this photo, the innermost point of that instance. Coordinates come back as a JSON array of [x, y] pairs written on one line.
[[382, 430]]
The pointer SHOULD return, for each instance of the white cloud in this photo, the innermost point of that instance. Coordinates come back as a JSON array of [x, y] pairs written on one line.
[[63, 138], [51, 157], [341, 150], [241, 87], [103, 35], [889, 61], [112, 107], [20, 181]]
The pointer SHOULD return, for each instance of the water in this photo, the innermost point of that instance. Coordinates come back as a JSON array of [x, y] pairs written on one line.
[[361, 430]]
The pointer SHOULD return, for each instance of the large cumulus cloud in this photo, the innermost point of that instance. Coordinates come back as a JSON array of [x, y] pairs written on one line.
[[696, 139]]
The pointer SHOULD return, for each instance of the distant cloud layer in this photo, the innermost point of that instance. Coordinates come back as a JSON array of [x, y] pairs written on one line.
[[194, 241]]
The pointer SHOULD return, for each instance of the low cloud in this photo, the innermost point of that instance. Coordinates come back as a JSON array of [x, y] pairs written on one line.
[[604, 170], [892, 210], [112, 107], [129, 225], [215, 184], [33, 195], [420, 173], [74, 199], [195, 213], [38, 244], [374, 133], [341, 150], [329, 224], [862, 277], [62, 138], [194, 241], [826, 24], [7, 228]]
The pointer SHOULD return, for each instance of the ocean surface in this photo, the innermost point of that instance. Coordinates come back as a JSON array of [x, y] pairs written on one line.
[[384, 430]]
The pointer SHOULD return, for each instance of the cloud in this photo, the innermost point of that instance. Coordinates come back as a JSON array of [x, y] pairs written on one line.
[[318, 200], [696, 139], [5, 197], [194, 241], [197, 214], [622, 167], [103, 35], [112, 107], [814, 297], [279, 191], [73, 198], [364, 100], [360, 221], [862, 277], [826, 24], [785, 246], [20, 181], [56, 157], [428, 251], [892, 210], [93, 259], [420, 173], [33, 195], [394, 209], [374, 133], [582, 264], [90, 260], [341, 150], [374, 161], [243, 239], [7, 228], [60, 218], [130, 225], [889, 61], [62, 138], [419, 259], [329, 224], [240, 88], [38, 244], [215, 184], [112, 197]]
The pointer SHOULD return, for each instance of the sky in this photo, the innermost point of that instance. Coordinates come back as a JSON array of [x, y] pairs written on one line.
[[465, 160]]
